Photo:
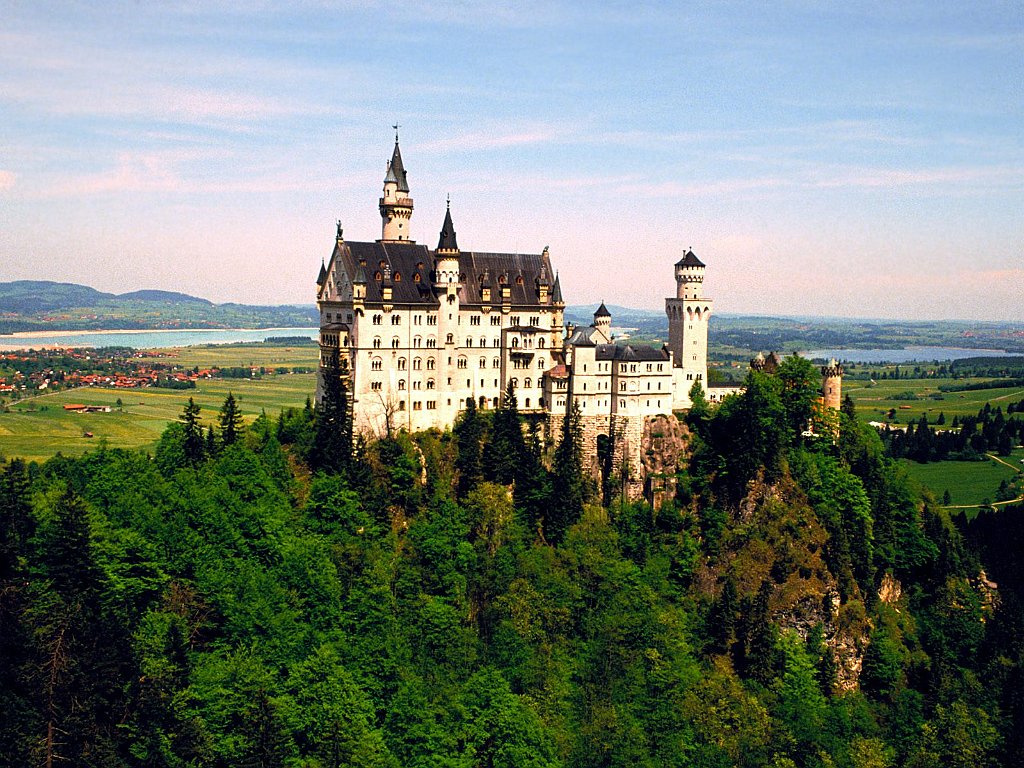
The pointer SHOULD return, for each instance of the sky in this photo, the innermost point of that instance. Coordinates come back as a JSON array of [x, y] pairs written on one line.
[[860, 159]]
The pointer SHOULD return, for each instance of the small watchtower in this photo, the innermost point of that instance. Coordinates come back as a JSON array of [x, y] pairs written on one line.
[[832, 384]]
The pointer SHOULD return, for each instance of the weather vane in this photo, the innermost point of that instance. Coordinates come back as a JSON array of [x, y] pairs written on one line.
[[395, 126]]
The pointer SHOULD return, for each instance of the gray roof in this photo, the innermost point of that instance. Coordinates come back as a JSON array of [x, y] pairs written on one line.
[[580, 338], [689, 260], [407, 261], [627, 352], [602, 311], [323, 274]]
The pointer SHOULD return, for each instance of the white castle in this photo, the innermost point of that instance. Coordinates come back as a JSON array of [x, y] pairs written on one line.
[[417, 333]]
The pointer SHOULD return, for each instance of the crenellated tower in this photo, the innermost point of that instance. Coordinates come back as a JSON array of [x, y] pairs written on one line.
[[688, 315], [832, 384], [396, 205]]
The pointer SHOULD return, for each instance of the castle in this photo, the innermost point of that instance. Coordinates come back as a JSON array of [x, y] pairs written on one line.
[[417, 333]]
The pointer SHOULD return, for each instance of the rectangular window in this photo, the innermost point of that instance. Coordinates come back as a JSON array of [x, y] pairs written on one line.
[[496, 320], [474, 320]]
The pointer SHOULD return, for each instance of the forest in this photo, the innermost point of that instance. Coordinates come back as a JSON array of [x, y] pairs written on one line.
[[280, 594]]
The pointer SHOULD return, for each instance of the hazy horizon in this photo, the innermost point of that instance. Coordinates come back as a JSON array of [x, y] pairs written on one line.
[[847, 162]]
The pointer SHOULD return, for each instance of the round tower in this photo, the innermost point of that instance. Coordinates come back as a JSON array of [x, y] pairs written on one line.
[[603, 322], [689, 277], [396, 205], [832, 384]]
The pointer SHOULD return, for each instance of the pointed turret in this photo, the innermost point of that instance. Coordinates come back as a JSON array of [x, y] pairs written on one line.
[[396, 168], [602, 311], [323, 274], [556, 291], [603, 323], [396, 205], [447, 242]]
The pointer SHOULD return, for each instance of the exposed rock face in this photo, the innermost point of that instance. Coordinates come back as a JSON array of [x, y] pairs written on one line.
[[890, 591], [662, 449], [777, 539]]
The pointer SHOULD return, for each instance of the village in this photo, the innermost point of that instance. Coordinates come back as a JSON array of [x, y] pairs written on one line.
[[25, 373]]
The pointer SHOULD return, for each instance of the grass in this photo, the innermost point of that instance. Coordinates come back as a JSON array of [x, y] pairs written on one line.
[[874, 402], [227, 356], [38, 428], [968, 482]]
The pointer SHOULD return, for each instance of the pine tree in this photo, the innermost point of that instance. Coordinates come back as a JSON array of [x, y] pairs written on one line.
[[468, 434], [193, 438], [568, 483], [230, 421], [332, 425], [505, 448]]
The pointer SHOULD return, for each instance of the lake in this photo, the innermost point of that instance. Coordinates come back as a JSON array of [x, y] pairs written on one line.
[[149, 339], [907, 355]]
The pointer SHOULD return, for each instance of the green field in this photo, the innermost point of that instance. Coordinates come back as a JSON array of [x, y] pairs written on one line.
[[38, 428], [968, 482], [874, 401], [228, 356]]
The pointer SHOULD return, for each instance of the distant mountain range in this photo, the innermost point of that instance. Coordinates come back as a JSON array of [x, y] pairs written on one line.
[[29, 305]]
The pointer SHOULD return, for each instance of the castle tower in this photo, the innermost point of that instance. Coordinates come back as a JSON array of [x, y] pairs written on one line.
[[446, 286], [603, 323], [832, 384], [396, 205], [688, 315]]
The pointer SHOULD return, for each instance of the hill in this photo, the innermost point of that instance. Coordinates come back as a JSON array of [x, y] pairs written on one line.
[[42, 305]]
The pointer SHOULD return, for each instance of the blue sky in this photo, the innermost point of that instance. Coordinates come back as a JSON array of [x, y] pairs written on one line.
[[861, 159]]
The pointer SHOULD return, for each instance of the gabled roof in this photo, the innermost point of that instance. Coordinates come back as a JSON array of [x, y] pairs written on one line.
[[447, 241], [689, 260], [411, 269], [602, 311]]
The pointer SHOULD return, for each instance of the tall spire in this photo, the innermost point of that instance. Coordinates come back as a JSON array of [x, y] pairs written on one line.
[[447, 241], [396, 168], [556, 291]]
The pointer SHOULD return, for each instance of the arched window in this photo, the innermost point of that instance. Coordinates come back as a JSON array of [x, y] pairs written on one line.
[[540, 343], [417, 341], [514, 383], [483, 362], [496, 342], [527, 402], [376, 364], [394, 342], [430, 363], [401, 383], [396, 319], [376, 342], [526, 383], [462, 362], [540, 364], [377, 319], [401, 363], [417, 363], [515, 342], [398, 275], [496, 362], [431, 342], [430, 383], [469, 341], [449, 339]]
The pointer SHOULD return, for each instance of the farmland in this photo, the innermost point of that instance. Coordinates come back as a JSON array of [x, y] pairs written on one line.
[[39, 427]]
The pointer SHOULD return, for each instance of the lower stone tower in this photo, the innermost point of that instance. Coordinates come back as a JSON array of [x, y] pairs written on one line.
[[832, 384]]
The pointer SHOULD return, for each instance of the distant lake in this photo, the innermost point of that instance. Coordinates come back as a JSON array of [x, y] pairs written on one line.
[[907, 355], [150, 339]]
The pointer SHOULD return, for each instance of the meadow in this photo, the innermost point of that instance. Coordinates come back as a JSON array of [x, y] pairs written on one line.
[[37, 428], [874, 400], [968, 482]]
